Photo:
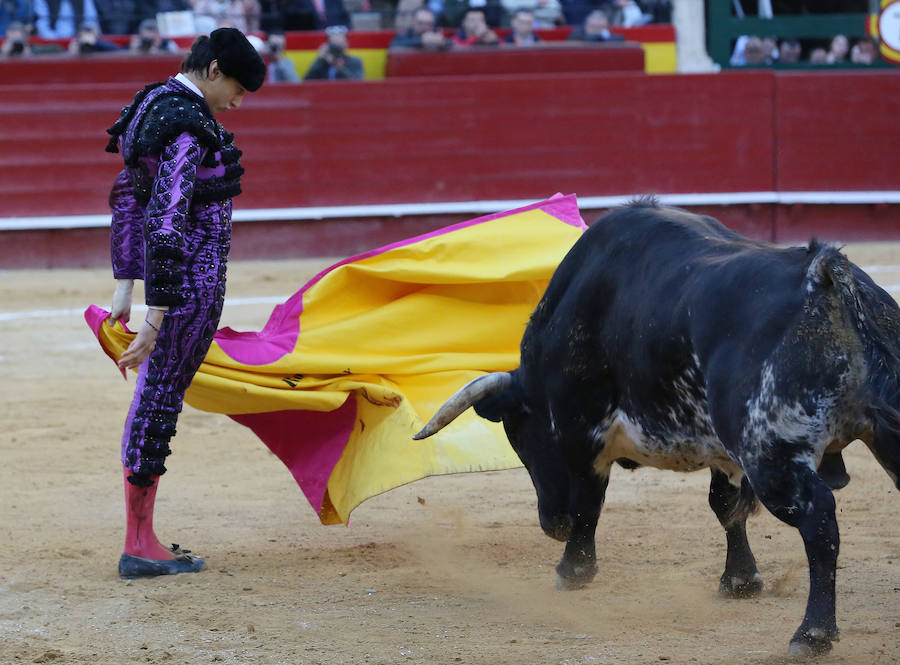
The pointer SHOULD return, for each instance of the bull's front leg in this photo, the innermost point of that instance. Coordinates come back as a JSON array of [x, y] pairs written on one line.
[[578, 565]]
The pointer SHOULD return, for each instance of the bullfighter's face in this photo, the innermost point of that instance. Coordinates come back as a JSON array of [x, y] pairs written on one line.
[[222, 92]]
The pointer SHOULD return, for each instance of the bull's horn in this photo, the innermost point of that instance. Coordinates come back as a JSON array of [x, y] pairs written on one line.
[[474, 390]]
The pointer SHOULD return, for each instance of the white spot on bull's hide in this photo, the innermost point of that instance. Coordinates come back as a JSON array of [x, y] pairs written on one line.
[[812, 419], [625, 437], [682, 439]]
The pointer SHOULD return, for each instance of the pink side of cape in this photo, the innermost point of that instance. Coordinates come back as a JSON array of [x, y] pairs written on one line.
[[309, 443]]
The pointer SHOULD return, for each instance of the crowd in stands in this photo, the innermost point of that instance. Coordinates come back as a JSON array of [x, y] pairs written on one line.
[[81, 27], [753, 51], [55, 20]]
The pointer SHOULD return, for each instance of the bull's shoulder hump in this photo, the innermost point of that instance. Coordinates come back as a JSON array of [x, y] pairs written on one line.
[[646, 227]]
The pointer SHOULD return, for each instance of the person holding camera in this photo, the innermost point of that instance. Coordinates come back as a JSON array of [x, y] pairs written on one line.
[[15, 43], [333, 61], [148, 39], [87, 40], [281, 68]]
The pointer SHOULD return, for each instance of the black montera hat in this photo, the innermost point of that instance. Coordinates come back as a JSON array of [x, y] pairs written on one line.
[[237, 57]]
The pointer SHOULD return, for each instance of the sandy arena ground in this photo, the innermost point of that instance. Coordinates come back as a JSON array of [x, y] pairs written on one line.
[[449, 570]]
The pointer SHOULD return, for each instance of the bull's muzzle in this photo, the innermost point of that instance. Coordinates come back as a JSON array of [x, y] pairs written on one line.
[[558, 527]]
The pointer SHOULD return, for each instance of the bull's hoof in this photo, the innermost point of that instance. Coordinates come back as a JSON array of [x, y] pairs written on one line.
[[809, 648], [570, 578], [734, 586], [811, 643], [569, 583]]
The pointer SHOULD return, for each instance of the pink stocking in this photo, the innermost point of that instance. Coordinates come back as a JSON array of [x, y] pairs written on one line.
[[140, 540]]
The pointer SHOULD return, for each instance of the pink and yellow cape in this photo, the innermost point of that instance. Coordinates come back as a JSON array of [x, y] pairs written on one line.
[[354, 363]]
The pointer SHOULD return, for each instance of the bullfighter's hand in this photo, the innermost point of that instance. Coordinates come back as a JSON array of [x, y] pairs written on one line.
[[121, 303], [141, 346]]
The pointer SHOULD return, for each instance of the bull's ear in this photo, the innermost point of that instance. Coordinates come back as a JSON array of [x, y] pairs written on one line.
[[494, 407]]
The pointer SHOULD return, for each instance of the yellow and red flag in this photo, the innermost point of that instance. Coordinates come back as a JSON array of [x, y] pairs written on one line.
[[354, 363]]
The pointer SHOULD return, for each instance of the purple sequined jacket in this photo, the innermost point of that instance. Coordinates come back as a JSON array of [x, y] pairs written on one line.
[[178, 160]]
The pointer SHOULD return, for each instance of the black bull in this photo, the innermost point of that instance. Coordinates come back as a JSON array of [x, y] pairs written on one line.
[[665, 339]]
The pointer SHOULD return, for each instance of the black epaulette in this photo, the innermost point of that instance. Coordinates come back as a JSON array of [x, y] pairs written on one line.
[[165, 119], [125, 117]]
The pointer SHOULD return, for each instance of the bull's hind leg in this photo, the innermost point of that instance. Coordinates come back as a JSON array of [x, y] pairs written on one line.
[[796, 495], [731, 505]]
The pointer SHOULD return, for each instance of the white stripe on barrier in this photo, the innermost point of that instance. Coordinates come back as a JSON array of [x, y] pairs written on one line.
[[54, 313], [472, 207], [277, 300]]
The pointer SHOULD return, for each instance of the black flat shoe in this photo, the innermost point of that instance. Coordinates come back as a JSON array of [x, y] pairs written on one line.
[[132, 567]]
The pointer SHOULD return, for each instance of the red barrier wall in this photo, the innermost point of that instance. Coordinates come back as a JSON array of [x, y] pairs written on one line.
[[503, 59], [414, 140], [491, 138], [112, 67], [838, 131]]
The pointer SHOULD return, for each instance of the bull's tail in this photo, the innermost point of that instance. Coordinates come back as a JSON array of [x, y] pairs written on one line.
[[830, 268], [875, 317]]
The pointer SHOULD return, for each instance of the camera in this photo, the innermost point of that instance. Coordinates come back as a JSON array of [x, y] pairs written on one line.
[[335, 51], [18, 47]]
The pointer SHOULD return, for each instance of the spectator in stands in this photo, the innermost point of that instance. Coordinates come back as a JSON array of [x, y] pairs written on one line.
[[59, 19], [148, 39], [314, 14], [281, 68], [864, 51], [659, 10], [240, 14], [789, 51], [270, 19], [422, 34], [628, 14], [474, 31], [15, 41], [522, 33], [839, 49], [818, 56], [455, 11], [770, 48], [405, 10], [595, 29], [333, 61], [117, 17], [14, 11], [150, 8], [88, 41], [547, 13], [576, 11], [755, 53]]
